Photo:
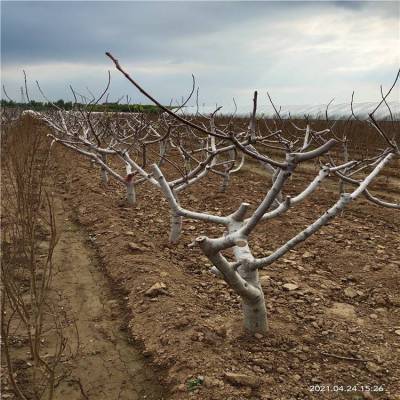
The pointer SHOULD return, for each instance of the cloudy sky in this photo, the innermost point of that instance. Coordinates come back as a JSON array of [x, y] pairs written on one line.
[[301, 52]]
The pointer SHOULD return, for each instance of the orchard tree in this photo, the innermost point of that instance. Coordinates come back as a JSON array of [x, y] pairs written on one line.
[[242, 274]]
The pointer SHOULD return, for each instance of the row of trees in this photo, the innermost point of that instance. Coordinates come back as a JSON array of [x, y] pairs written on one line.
[[70, 106], [173, 151], [28, 239]]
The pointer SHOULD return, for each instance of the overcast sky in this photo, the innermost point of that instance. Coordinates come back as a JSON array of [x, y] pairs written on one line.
[[301, 52]]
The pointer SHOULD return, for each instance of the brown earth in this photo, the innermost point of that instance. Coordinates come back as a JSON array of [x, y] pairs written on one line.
[[107, 366], [340, 326], [99, 361]]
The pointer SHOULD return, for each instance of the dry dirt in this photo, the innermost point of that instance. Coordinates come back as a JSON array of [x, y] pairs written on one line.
[[338, 330], [107, 365], [100, 361]]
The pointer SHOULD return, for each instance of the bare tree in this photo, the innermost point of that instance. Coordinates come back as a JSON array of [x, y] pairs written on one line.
[[242, 273], [28, 230]]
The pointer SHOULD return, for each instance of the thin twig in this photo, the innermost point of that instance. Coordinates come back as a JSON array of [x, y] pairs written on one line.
[[343, 357]]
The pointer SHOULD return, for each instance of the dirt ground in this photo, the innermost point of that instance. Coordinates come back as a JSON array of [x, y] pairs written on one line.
[[106, 365], [99, 361], [335, 335]]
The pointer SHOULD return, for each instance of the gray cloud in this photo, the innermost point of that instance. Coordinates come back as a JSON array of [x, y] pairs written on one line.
[[305, 52], [352, 5], [389, 9], [36, 31]]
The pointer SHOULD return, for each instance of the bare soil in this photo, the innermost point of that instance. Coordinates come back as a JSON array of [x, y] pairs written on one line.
[[107, 365], [338, 327], [100, 361]]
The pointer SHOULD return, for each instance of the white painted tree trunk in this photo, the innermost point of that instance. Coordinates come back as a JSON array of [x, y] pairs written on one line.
[[342, 187], [163, 152], [254, 309], [176, 223], [130, 193], [176, 228], [225, 182], [103, 171], [255, 314]]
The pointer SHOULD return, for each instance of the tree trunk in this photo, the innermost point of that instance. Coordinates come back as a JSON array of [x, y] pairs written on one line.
[[225, 183], [255, 315], [104, 176], [130, 193], [176, 225], [103, 171], [163, 152], [176, 228], [254, 309], [342, 187]]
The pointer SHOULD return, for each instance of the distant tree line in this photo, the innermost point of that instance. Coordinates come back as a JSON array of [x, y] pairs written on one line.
[[69, 105]]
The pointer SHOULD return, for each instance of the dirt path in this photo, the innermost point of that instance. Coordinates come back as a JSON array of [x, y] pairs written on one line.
[[107, 365]]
